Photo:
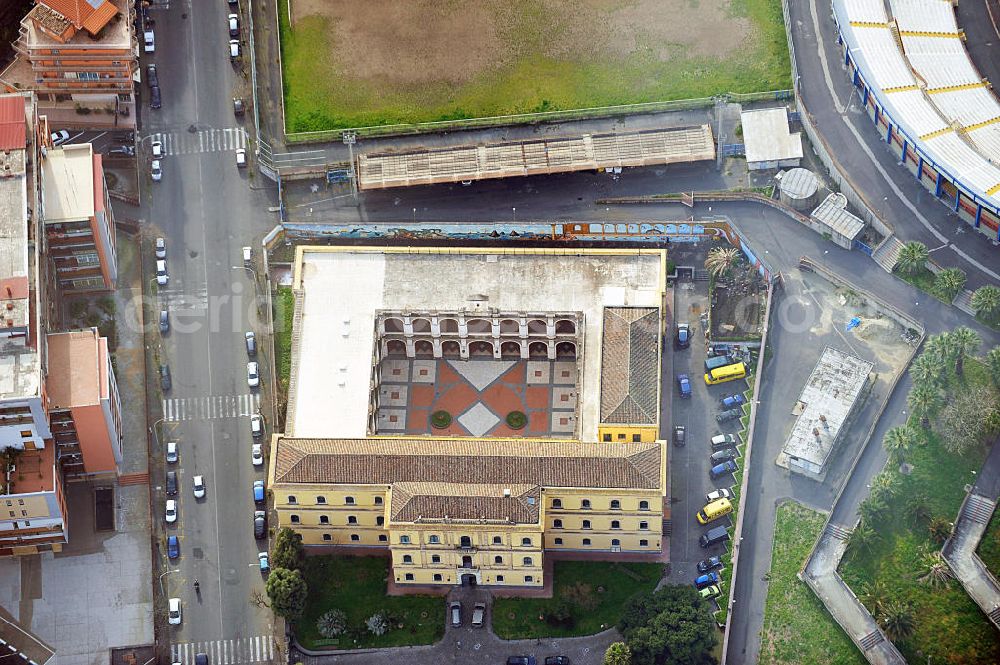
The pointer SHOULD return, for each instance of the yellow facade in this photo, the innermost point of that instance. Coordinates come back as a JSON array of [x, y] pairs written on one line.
[[627, 433]]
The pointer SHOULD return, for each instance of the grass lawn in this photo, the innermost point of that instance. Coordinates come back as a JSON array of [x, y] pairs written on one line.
[[356, 585], [989, 546], [597, 591], [950, 627], [797, 628], [923, 280], [284, 311], [406, 61]]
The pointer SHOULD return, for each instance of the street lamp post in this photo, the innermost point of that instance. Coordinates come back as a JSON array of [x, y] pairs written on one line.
[[153, 431], [166, 572]]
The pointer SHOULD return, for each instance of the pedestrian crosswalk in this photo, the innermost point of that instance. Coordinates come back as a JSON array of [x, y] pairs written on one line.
[[211, 407], [203, 140], [238, 651]]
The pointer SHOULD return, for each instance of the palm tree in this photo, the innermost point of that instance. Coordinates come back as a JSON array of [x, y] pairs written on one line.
[[993, 364], [938, 573], [924, 401], [912, 258], [927, 369], [939, 529], [898, 441], [986, 302], [949, 282], [862, 538], [897, 620], [916, 507], [964, 342], [721, 260], [873, 595], [941, 347]]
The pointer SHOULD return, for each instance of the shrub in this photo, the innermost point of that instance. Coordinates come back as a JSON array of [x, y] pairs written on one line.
[[440, 419], [378, 623], [332, 623], [517, 420]]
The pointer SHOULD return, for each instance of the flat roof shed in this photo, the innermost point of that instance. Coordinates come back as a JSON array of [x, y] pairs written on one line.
[[769, 143]]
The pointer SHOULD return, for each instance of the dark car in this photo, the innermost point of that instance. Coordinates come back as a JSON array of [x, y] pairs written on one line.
[[521, 660], [730, 414], [682, 337], [164, 321], [171, 483], [165, 382], [239, 108], [154, 97], [259, 524], [201, 659], [251, 340], [557, 660], [173, 547], [722, 469], [680, 436], [711, 563], [151, 78], [731, 401], [720, 456], [708, 579]]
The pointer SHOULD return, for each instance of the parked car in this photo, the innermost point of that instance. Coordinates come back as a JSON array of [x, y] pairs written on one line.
[[155, 97], [241, 158], [478, 615], [234, 25], [722, 469], [247, 255], [258, 491], [710, 592], [721, 493], [151, 78], [730, 414], [234, 3], [171, 452], [148, 41], [59, 137], [682, 336], [251, 344], [173, 547], [256, 426], [123, 150], [720, 441], [705, 580], [557, 660], [259, 524], [684, 385], [253, 374], [239, 108], [157, 149], [170, 514], [234, 49], [201, 659], [165, 382], [521, 660], [455, 612], [161, 272], [198, 485], [164, 321], [263, 562], [171, 483], [720, 456], [711, 563], [731, 401], [680, 436], [155, 171], [174, 611], [257, 454], [161, 244]]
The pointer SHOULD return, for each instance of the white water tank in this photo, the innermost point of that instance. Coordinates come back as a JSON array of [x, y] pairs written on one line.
[[799, 188]]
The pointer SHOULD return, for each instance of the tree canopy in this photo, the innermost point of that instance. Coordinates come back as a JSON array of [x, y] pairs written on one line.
[[672, 625]]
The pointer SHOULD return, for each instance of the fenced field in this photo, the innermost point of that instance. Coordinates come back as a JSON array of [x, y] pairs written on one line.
[[356, 64]]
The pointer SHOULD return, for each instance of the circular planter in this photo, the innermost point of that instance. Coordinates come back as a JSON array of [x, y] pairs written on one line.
[[440, 419], [517, 420]]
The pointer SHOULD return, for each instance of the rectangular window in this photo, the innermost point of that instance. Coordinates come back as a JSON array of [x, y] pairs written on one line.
[[643, 543], [355, 537], [26, 433], [434, 540], [295, 519], [528, 579], [405, 540], [644, 525], [499, 578], [382, 538], [586, 524], [321, 499], [378, 501], [558, 541], [497, 540], [324, 519], [327, 536], [292, 500], [352, 519], [437, 577], [435, 558], [409, 577], [607, 437], [349, 500], [636, 438], [379, 520], [557, 503], [586, 541]]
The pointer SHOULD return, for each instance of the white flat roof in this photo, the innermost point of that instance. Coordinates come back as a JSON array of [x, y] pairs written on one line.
[[68, 174], [344, 288], [766, 136]]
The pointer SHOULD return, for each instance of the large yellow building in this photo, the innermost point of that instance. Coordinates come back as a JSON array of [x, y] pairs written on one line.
[[449, 510]]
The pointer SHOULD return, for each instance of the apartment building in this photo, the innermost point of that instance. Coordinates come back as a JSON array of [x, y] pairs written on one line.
[[78, 54], [452, 511], [79, 223]]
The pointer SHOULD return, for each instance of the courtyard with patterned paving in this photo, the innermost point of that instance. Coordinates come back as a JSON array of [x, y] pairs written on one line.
[[478, 394]]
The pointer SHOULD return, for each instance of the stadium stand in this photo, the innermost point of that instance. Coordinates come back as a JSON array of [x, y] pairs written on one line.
[[927, 99]]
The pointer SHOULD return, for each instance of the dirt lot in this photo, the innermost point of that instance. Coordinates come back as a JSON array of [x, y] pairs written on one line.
[[410, 60]]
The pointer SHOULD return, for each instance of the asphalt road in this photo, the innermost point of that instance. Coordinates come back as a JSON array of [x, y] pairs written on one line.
[[207, 210]]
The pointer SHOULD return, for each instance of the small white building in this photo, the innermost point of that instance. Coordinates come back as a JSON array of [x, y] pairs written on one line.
[[769, 144]]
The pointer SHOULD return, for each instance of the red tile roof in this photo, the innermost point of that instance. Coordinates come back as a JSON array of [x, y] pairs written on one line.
[[90, 14], [12, 124]]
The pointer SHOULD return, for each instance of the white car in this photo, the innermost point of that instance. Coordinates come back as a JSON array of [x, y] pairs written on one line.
[[60, 137], [171, 452], [161, 248], [241, 158], [234, 25], [257, 454], [174, 611], [199, 486], [171, 513], [257, 425], [253, 375], [157, 147], [156, 171], [718, 494], [234, 49], [149, 41], [161, 272]]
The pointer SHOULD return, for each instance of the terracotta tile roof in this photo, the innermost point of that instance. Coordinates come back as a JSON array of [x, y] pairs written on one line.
[[91, 15], [13, 129], [630, 370], [437, 502], [486, 461]]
